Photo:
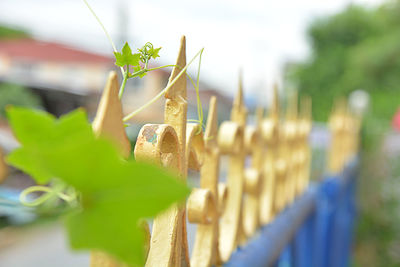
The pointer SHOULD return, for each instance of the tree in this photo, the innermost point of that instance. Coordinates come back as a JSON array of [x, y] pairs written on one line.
[[358, 48], [10, 33], [12, 94], [16, 95]]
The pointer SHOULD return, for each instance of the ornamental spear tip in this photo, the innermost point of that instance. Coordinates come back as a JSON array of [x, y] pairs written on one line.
[[211, 132], [179, 88]]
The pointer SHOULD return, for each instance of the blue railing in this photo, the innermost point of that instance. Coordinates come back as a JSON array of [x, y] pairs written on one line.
[[315, 231]]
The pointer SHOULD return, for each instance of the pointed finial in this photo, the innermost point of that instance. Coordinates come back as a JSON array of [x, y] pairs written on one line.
[[179, 88], [343, 106], [259, 115], [239, 111], [275, 108], [306, 105], [211, 132], [292, 109], [339, 105], [108, 121], [239, 101]]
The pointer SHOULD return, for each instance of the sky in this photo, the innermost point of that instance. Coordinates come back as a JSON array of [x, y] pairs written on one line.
[[255, 36]]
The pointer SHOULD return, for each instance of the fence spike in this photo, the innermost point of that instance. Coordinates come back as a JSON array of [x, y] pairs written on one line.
[[259, 115], [336, 153], [210, 135], [254, 177], [108, 120], [282, 165], [292, 107], [270, 135], [291, 146], [301, 147], [275, 106], [169, 238], [226, 215], [206, 249], [231, 142], [179, 88], [239, 111], [306, 107]]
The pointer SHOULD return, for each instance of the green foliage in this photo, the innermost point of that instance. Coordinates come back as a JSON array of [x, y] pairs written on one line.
[[109, 196], [11, 33], [359, 49], [355, 49], [126, 57], [342, 30], [148, 51], [12, 94], [114, 193]]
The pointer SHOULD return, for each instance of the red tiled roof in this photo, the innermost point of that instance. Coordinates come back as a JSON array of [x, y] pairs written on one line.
[[29, 49]]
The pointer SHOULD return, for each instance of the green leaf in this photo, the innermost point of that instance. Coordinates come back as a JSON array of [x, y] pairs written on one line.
[[28, 161], [39, 133], [148, 51], [115, 193], [25, 124], [154, 53], [126, 57]]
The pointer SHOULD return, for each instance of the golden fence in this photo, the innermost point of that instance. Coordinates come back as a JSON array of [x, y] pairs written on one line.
[[226, 214]]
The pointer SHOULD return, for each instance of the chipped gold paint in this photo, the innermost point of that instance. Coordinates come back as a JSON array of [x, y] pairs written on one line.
[[168, 245], [226, 214]]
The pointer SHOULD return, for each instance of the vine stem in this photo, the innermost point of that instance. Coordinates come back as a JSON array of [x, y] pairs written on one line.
[[161, 67], [104, 30], [49, 192], [122, 88], [165, 90]]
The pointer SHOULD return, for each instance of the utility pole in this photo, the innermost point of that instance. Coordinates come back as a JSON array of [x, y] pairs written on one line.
[[122, 23]]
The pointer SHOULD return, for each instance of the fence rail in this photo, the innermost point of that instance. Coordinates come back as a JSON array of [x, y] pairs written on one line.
[[314, 231], [266, 213]]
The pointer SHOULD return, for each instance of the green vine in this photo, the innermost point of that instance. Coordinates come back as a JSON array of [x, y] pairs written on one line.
[[57, 190], [85, 172], [132, 65], [94, 183]]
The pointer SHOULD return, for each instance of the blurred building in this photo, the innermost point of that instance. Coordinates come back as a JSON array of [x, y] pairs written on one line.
[[39, 63], [63, 76], [67, 78]]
